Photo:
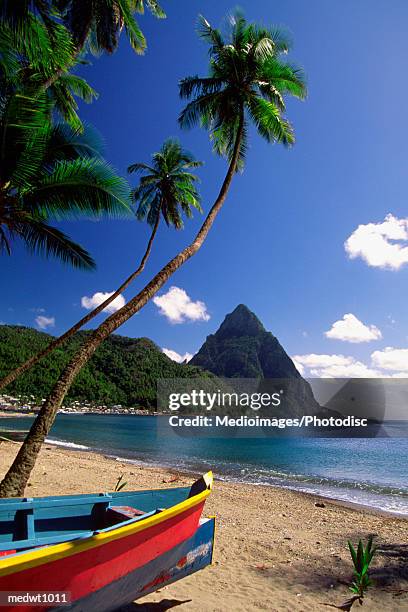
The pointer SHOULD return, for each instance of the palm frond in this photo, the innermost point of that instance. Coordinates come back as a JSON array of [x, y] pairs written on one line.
[[212, 36], [203, 109], [145, 198], [28, 164], [281, 36], [154, 210], [66, 143], [196, 85], [239, 30], [79, 87], [41, 238], [65, 105], [63, 91], [80, 187], [138, 167], [285, 77], [138, 6], [24, 123], [224, 139], [263, 49], [4, 242], [134, 33], [269, 122], [32, 45]]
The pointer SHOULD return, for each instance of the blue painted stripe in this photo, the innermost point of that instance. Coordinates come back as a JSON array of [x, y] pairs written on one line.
[[22, 521], [88, 497]]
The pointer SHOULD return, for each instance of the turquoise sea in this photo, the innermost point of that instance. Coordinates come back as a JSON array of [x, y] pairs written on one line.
[[367, 471]]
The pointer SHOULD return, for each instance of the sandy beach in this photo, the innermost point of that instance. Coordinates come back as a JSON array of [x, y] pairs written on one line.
[[275, 549]]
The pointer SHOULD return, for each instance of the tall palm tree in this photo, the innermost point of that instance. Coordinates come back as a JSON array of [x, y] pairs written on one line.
[[166, 189], [247, 82], [51, 172]]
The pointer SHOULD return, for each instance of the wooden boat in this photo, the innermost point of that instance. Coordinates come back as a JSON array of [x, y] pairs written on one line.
[[103, 550]]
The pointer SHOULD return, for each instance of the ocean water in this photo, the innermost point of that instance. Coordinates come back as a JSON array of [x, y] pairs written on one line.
[[366, 471]]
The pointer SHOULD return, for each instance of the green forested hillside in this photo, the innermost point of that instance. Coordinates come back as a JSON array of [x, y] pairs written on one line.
[[122, 371]]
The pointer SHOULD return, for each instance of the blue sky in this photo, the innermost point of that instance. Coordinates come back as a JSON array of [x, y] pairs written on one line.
[[278, 245]]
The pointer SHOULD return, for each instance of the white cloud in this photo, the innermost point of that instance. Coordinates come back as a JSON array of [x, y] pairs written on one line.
[[334, 366], [313, 360], [386, 363], [351, 329], [381, 245], [99, 297], [178, 307], [44, 322], [300, 368], [355, 369], [37, 309], [176, 356], [391, 359]]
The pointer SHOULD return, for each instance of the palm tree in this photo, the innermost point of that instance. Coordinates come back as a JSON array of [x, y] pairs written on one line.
[[247, 82], [166, 187], [51, 172], [96, 24], [47, 171], [100, 22], [27, 61], [33, 42]]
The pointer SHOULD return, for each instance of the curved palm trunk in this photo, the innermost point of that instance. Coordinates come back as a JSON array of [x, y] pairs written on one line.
[[17, 477], [68, 334]]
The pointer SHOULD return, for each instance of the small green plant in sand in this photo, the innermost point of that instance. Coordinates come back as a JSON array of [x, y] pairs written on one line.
[[362, 558], [120, 484]]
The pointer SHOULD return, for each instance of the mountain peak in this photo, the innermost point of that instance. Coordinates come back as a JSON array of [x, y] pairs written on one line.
[[240, 322], [242, 348]]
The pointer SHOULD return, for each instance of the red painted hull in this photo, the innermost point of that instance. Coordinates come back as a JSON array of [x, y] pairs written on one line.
[[89, 570]]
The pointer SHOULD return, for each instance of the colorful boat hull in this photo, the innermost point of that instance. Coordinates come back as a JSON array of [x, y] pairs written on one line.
[[180, 561], [28, 522], [87, 565]]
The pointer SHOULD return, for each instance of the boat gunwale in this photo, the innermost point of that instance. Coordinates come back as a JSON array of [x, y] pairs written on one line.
[[39, 556], [21, 503]]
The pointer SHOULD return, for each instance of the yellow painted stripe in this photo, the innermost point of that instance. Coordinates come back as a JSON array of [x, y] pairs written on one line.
[[40, 556]]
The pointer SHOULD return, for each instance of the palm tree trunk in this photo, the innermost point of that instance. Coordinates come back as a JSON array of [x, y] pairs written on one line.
[[17, 477], [68, 334]]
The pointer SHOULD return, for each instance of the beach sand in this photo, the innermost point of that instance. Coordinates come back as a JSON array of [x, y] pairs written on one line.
[[275, 550]]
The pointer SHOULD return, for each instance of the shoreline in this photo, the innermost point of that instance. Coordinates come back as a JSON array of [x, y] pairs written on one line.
[[69, 447], [275, 549], [194, 472]]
